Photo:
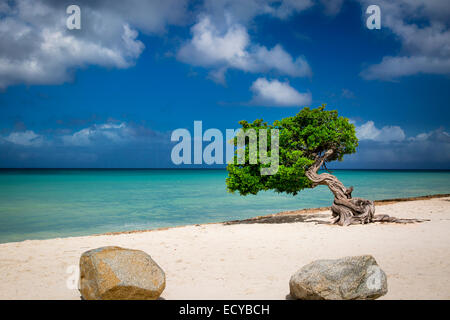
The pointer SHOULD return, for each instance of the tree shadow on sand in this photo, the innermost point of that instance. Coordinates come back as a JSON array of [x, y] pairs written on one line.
[[284, 219], [315, 218]]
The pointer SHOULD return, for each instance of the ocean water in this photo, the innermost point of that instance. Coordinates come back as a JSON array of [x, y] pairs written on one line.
[[42, 204]]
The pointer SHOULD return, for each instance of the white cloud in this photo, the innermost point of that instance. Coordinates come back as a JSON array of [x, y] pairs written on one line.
[[95, 136], [108, 133], [276, 93], [209, 47], [244, 11], [218, 75], [429, 150], [423, 30], [110, 143], [37, 48], [102, 145], [26, 138], [368, 131], [288, 7], [394, 67], [439, 135], [213, 48]]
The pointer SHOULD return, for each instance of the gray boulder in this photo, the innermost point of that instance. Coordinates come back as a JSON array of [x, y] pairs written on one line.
[[114, 273], [348, 278]]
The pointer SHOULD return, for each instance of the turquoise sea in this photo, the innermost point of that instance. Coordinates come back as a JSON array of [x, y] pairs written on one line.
[[41, 204]]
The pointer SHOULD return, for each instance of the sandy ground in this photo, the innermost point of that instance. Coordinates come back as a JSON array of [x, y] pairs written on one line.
[[249, 261]]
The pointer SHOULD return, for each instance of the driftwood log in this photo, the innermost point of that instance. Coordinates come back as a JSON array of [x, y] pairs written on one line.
[[347, 210]]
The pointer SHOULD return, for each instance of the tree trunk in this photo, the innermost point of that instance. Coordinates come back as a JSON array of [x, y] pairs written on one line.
[[345, 209]]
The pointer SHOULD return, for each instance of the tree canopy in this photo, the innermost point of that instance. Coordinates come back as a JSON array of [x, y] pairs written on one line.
[[303, 138]]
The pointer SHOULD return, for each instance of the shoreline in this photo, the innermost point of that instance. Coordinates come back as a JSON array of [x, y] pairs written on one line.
[[250, 260], [291, 216], [273, 216]]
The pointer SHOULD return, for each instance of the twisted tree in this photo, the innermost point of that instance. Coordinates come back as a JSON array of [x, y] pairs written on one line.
[[307, 142]]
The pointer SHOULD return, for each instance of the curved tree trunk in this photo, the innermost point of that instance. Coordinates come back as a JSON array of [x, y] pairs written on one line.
[[345, 209]]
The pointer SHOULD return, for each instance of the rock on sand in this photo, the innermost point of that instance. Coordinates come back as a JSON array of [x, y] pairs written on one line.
[[348, 278], [114, 273]]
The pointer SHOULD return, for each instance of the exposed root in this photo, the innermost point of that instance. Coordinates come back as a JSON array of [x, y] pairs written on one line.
[[386, 218], [352, 211], [361, 211]]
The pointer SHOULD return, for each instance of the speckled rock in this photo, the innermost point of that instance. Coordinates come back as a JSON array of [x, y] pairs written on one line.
[[114, 273], [348, 278]]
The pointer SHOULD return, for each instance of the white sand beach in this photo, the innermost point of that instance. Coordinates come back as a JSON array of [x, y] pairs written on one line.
[[250, 261]]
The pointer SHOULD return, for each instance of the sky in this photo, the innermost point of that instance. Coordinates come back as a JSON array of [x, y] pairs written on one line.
[[110, 94]]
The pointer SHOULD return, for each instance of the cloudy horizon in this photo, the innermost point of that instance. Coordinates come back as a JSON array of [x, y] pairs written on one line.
[[109, 95]]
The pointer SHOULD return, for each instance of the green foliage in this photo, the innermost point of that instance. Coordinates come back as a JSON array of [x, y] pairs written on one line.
[[302, 137]]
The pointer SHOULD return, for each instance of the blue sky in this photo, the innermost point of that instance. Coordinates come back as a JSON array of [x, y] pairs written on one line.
[[110, 94]]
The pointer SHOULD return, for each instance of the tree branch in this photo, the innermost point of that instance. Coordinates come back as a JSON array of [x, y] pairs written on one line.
[[320, 160], [331, 181], [325, 167]]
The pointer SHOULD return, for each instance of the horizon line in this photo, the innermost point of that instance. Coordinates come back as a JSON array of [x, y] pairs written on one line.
[[206, 168]]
